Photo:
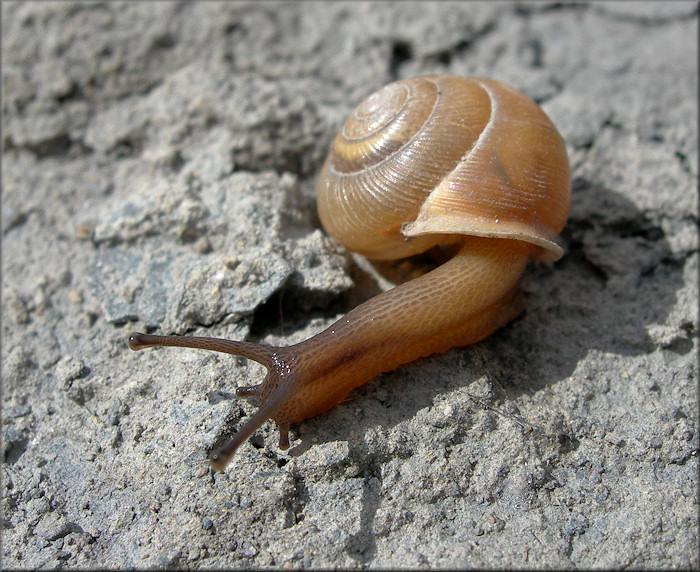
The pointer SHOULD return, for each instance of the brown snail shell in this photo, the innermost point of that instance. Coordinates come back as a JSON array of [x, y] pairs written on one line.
[[432, 156]]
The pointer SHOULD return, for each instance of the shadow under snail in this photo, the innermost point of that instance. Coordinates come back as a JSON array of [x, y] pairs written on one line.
[[433, 160]]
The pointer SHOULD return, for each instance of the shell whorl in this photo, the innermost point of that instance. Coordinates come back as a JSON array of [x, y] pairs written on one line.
[[424, 160]]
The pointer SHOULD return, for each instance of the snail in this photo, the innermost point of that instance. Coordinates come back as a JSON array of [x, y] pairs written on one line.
[[435, 160]]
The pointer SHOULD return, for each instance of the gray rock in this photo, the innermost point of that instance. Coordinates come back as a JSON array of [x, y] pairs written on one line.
[[159, 161]]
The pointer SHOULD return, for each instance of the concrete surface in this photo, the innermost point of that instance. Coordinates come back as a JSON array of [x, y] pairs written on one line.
[[158, 173]]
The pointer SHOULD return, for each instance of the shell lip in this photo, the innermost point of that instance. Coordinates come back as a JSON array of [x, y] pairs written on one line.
[[548, 251]]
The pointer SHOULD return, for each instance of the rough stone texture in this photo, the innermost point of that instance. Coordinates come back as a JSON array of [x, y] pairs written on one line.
[[158, 171]]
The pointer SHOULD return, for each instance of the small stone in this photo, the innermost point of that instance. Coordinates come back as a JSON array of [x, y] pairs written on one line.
[[53, 526], [202, 245], [117, 410], [247, 550], [40, 505], [69, 368], [16, 308], [75, 296]]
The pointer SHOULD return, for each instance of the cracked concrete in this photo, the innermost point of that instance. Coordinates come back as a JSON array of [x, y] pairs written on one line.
[[158, 173]]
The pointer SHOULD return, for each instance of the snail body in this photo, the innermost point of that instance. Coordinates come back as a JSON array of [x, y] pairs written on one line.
[[430, 161]]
